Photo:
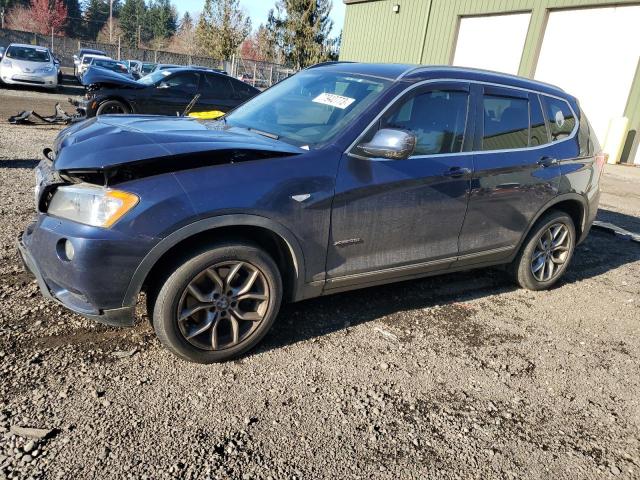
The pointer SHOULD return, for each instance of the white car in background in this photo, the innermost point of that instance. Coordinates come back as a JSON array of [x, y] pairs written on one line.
[[85, 62], [29, 65]]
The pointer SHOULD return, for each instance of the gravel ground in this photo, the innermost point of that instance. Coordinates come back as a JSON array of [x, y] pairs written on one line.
[[461, 376]]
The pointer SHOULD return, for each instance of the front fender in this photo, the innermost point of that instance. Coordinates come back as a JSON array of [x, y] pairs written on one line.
[[233, 220]]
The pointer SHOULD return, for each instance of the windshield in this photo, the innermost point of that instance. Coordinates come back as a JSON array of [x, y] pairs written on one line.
[[154, 77], [309, 108], [28, 53]]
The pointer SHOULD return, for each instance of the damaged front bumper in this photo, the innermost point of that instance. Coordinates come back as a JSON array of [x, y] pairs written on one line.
[[78, 284]]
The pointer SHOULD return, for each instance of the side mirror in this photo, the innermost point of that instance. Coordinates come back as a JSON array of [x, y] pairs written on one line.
[[390, 143]]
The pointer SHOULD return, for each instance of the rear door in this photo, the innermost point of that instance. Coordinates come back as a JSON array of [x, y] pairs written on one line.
[[172, 95], [394, 218], [515, 172], [216, 93]]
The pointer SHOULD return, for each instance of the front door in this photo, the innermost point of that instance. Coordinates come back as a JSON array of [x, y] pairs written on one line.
[[397, 218], [172, 95]]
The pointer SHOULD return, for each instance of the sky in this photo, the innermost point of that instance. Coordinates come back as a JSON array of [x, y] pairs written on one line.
[[258, 10]]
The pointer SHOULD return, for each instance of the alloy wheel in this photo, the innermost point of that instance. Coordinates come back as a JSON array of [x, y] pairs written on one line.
[[551, 252], [223, 305]]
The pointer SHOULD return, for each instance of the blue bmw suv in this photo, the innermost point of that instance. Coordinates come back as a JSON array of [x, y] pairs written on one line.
[[343, 176]]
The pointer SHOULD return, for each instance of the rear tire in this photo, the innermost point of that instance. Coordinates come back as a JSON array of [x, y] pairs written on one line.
[[112, 107], [218, 303], [546, 252]]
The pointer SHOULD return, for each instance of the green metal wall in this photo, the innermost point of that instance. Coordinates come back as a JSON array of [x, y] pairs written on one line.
[[373, 33], [425, 30]]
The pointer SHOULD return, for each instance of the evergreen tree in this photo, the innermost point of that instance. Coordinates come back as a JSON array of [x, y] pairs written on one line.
[[74, 18], [162, 19], [96, 15], [222, 27], [133, 21], [301, 28]]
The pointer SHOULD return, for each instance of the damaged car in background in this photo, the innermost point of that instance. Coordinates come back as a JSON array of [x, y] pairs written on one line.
[[342, 176], [164, 92]]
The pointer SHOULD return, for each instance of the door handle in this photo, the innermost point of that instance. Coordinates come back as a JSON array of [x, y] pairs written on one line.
[[547, 162], [456, 172]]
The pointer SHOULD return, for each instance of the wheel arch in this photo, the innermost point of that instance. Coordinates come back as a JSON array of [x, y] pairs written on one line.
[[276, 239], [572, 204]]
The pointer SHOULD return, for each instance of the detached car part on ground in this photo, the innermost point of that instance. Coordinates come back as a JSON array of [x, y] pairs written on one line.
[[165, 92], [343, 176]]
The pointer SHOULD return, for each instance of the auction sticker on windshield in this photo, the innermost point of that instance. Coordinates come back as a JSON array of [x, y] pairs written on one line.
[[334, 100]]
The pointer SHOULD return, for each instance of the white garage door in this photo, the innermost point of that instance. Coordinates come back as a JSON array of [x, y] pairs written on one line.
[[592, 54], [493, 42]]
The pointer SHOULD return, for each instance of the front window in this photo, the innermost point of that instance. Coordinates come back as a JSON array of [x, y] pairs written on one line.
[[309, 108], [29, 54], [110, 65]]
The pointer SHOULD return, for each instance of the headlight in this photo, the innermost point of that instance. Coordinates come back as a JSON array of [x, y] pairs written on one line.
[[91, 205], [45, 70], [7, 63]]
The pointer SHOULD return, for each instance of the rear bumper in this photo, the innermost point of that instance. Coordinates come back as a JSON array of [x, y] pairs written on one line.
[[93, 284]]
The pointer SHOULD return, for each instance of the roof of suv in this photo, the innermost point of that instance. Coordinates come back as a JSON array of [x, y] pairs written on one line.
[[416, 73], [26, 45]]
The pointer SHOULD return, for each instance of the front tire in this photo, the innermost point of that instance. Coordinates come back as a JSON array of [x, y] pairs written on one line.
[[219, 303], [112, 107], [546, 252]]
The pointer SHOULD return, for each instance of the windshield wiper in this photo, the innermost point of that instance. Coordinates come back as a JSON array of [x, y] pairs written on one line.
[[264, 134]]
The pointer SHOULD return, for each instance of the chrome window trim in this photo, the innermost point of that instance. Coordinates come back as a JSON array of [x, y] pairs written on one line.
[[576, 127]]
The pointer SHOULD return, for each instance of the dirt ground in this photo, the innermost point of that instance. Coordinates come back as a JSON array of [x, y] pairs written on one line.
[[456, 377]]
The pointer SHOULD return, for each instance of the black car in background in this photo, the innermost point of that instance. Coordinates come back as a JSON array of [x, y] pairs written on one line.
[[164, 92]]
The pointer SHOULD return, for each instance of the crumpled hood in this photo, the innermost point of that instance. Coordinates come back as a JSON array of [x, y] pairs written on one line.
[[112, 140], [98, 75]]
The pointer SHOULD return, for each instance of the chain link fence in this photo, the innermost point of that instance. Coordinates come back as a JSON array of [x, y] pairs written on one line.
[[260, 74]]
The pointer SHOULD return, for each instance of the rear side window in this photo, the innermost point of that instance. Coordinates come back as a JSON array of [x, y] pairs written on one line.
[[506, 123], [243, 90], [217, 86], [437, 119], [539, 135], [560, 116]]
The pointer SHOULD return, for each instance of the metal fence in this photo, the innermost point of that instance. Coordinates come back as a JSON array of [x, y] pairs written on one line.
[[259, 74]]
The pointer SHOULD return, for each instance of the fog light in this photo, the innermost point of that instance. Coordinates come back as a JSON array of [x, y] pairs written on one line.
[[69, 251], [65, 250]]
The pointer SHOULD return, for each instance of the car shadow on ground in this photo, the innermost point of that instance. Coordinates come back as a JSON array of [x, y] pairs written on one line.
[[322, 316]]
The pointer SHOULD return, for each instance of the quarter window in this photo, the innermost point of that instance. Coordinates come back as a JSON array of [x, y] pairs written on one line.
[[561, 119], [437, 119], [506, 123]]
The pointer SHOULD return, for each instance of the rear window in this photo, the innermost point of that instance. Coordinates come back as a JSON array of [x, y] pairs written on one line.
[[506, 123], [560, 116], [30, 54]]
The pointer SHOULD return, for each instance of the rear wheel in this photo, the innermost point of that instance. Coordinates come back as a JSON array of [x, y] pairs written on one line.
[[546, 253], [219, 303], [111, 107]]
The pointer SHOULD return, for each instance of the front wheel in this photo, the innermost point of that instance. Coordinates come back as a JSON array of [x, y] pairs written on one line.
[[218, 303], [112, 107], [546, 253]]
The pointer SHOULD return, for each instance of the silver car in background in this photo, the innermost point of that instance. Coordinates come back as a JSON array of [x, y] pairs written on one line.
[[29, 65]]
